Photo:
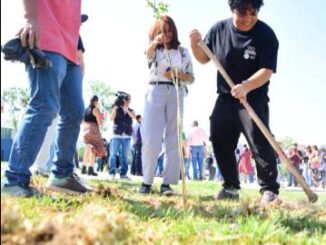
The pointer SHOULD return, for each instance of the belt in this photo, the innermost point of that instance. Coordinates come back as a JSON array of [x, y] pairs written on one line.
[[161, 83]]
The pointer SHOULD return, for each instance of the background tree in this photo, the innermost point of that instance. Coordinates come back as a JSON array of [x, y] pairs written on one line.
[[16, 99], [287, 142]]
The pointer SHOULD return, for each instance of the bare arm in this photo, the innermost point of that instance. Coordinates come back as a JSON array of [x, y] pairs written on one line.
[[197, 51], [96, 112], [180, 75], [257, 80], [150, 51], [29, 34], [113, 113]]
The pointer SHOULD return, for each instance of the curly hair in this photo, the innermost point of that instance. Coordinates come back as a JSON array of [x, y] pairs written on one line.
[[245, 4]]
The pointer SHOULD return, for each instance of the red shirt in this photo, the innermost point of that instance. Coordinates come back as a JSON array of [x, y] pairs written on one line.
[[294, 157], [59, 23]]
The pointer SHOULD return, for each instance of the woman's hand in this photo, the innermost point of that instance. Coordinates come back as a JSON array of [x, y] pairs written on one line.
[[176, 74]]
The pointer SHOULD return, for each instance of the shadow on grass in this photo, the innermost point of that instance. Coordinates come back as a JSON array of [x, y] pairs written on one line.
[[306, 223], [170, 209]]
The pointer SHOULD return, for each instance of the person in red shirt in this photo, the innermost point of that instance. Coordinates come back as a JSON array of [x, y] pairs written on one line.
[[295, 157], [53, 27]]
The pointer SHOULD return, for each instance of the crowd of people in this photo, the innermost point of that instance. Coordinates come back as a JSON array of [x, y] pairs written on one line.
[[247, 48]]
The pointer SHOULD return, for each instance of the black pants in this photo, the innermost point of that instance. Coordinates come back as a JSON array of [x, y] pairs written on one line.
[[136, 164], [228, 120]]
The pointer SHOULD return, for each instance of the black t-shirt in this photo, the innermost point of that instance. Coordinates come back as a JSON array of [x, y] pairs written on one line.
[[88, 115], [243, 53], [80, 45]]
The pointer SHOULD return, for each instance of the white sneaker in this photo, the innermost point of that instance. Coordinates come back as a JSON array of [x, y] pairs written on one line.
[[268, 197], [111, 176]]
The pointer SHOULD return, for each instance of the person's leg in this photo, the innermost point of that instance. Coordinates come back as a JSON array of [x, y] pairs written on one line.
[[92, 159], [294, 180], [114, 148], [43, 161], [200, 156], [289, 178], [133, 161], [194, 162], [171, 172], [152, 130], [187, 166], [86, 158], [138, 163], [43, 107], [263, 153], [71, 114], [124, 156], [224, 136]]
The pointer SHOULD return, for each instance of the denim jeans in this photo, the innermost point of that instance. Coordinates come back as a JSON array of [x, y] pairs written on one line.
[[197, 156], [56, 90], [291, 179], [115, 145], [187, 166]]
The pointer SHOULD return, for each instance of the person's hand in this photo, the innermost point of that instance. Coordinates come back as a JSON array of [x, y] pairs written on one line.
[[240, 91], [159, 39], [176, 74], [195, 37], [29, 34]]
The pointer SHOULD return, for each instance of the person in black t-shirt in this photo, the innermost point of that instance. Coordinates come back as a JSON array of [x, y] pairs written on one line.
[[247, 49], [122, 117]]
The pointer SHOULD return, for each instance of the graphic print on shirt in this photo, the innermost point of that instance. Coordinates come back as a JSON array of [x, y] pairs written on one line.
[[250, 53]]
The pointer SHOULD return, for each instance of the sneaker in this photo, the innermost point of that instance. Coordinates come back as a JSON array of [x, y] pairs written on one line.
[[268, 197], [228, 194], [19, 191], [111, 176], [166, 190], [124, 177], [145, 189], [71, 184]]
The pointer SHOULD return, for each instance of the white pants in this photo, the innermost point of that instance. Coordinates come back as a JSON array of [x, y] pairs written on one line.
[[160, 123]]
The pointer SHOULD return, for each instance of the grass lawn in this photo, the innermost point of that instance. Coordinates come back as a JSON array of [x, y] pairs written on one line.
[[117, 214]]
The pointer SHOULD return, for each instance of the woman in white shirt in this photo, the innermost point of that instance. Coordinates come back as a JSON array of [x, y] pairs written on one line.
[[160, 112]]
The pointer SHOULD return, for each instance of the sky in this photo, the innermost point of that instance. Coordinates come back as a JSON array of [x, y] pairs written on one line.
[[116, 35]]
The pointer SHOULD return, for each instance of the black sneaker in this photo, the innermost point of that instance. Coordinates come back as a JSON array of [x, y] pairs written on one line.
[[71, 184], [228, 194], [145, 189], [19, 191], [166, 190]]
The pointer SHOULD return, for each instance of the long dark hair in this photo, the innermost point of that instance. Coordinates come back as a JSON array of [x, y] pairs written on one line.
[[93, 100], [156, 30]]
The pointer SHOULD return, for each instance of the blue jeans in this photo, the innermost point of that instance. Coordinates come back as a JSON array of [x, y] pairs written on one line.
[[197, 155], [187, 166], [291, 178], [57, 89], [115, 145]]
